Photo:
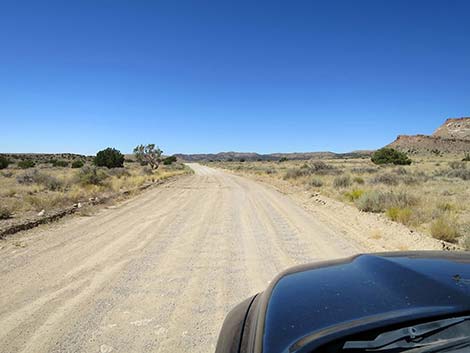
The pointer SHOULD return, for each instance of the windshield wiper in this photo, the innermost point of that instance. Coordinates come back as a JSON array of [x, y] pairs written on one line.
[[404, 337]]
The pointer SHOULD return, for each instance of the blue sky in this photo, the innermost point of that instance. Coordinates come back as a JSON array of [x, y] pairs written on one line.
[[210, 76]]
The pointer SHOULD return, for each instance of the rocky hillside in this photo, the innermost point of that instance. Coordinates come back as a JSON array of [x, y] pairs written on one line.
[[458, 128], [452, 137]]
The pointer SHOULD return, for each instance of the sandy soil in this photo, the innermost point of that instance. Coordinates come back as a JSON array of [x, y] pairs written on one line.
[[158, 273]]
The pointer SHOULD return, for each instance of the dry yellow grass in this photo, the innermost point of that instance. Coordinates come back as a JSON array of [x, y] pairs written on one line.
[[24, 193]]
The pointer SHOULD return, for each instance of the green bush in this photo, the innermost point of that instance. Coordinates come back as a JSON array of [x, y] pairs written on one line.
[[25, 164], [466, 158], [92, 175], [390, 156], [5, 212], [110, 158], [4, 162], [60, 163], [342, 181], [398, 214], [77, 164], [444, 228], [169, 160], [354, 194], [283, 159]]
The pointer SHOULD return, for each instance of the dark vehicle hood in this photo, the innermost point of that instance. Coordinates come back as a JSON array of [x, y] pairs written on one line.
[[308, 305]]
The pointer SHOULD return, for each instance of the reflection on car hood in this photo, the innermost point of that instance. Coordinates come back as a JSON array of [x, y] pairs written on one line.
[[309, 303]]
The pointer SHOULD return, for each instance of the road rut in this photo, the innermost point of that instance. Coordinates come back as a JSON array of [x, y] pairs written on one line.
[[158, 273]]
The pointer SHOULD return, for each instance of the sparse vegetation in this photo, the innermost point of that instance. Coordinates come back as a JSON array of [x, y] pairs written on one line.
[[110, 158], [390, 156], [342, 181], [466, 158], [45, 186], [60, 163]]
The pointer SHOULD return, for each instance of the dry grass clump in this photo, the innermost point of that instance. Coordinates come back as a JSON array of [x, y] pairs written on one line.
[[378, 201], [401, 215], [342, 181], [386, 178], [445, 228]]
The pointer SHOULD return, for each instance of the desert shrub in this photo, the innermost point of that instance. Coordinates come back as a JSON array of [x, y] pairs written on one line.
[[354, 194], [410, 180], [119, 172], [110, 158], [466, 158], [294, 173], [7, 174], [446, 206], [342, 181], [91, 176], [457, 165], [390, 156], [77, 164], [60, 163], [463, 173], [48, 181], [5, 212], [242, 160], [4, 162], [25, 164], [316, 182], [169, 160], [283, 159], [270, 171], [371, 201], [386, 178], [376, 201], [444, 228], [401, 215], [358, 180]]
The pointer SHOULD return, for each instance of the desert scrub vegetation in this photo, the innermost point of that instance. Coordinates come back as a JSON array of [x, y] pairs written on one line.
[[390, 156], [421, 196], [50, 186]]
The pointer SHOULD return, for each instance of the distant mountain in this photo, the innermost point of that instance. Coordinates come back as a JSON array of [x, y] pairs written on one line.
[[452, 137], [251, 156]]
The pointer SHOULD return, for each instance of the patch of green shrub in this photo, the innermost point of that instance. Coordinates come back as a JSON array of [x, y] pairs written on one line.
[[390, 156], [354, 194], [5, 212], [342, 181], [77, 164], [445, 229], [169, 160], [110, 158], [25, 164], [401, 215], [4, 162], [466, 158], [60, 163]]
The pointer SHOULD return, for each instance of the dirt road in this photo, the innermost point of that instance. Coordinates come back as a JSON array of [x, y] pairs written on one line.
[[157, 273]]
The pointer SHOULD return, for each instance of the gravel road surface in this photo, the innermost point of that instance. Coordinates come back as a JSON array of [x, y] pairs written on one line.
[[157, 273]]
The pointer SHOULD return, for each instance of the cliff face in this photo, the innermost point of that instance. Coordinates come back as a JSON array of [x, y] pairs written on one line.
[[458, 128], [452, 137]]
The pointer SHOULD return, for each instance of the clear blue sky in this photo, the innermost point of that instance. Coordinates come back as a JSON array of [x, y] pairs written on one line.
[[209, 76]]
